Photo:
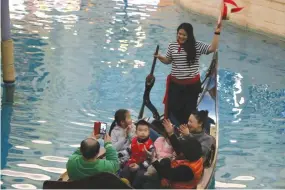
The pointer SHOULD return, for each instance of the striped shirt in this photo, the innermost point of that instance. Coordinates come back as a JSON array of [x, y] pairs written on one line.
[[180, 66]]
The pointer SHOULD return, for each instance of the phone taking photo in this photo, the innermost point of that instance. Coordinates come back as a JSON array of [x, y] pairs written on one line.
[[103, 128], [100, 128]]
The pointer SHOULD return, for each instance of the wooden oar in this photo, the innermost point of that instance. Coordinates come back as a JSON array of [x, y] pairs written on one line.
[[150, 79]]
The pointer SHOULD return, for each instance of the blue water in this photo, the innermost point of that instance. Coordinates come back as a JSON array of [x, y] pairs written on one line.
[[78, 62]]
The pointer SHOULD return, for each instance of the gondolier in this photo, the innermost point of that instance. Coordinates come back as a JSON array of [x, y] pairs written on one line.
[[183, 84]]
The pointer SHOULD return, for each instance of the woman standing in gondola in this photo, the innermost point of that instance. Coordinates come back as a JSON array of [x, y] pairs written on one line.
[[183, 84]]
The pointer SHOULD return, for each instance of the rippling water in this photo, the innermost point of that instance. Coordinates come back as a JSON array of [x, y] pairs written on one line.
[[79, 61]]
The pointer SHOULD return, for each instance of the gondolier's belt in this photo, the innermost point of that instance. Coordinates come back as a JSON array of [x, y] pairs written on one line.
[[177, 81]]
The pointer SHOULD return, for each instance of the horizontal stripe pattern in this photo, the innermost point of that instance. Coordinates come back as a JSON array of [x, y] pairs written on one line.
[[180, 66]]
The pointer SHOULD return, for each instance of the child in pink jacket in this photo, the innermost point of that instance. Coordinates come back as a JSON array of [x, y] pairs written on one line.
[[163, 149]]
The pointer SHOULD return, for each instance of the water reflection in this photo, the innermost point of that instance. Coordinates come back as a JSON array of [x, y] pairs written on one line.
[[22, 147], [142, 2], [234, 185], [67, 5], [48, 169], [254, 140], [40, 15], [123, 27], [41, 121], [237, 103], [6, 114], [32, 176], [228, 185], [243, 178], [81, 124], [54, 159], [75, 145], [24, 186], [41, 142]]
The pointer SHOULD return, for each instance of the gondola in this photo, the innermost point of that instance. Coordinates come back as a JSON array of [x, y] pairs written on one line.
[[207, 101]]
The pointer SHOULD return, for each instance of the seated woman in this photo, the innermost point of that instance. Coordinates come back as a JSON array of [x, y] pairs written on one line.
[[186, 170], [195, 128]]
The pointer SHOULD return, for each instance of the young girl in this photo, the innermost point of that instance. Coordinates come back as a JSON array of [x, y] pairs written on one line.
[[122, 131]]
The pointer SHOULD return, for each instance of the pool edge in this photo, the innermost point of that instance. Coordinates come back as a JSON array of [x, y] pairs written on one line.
[[210, 9]]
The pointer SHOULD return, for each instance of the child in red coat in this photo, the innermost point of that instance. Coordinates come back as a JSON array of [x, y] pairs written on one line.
[[139, 157]]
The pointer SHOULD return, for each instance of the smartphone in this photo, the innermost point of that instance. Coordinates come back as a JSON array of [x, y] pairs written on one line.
[[103, 128], [100, 128], [97, 126]]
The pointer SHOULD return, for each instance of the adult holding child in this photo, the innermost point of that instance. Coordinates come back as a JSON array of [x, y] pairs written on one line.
[[182, 172]]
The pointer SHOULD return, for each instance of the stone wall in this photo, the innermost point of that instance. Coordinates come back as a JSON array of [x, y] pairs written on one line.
[[266, 16]]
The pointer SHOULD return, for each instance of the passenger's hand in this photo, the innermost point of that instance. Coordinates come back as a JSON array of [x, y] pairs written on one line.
[[128, 130], [168, 127], [98, 136], [184, 130], [149, 153], [152, 155], [134, 167], [107, 138]]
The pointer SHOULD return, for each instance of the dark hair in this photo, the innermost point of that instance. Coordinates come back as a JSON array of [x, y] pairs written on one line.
[[120, 115], [191, 148], [189, 45], [158, 127], [89, 148], [202, 117], [143, 122]]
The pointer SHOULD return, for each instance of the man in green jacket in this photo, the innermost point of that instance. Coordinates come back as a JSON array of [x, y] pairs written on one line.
[[84, 162]]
